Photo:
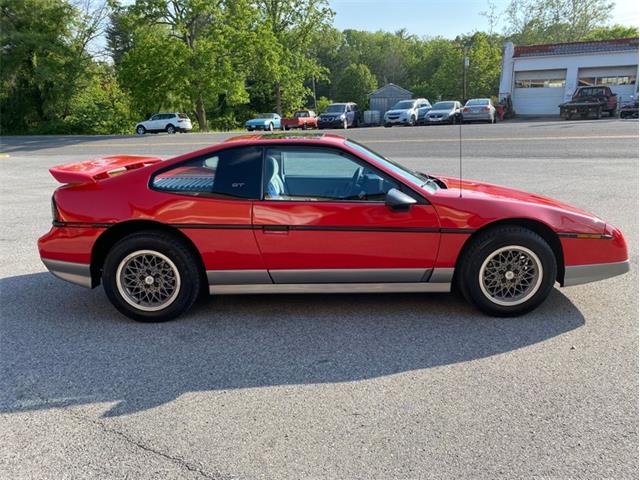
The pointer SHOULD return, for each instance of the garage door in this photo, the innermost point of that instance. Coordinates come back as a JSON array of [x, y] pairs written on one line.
[[621, 80], [538, 92]]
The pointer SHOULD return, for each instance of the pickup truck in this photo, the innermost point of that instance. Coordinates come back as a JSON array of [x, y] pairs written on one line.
[[301, 119], [590, 101]]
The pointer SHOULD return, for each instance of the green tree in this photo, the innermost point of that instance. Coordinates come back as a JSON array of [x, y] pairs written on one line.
[[192, 52], [552, 21], [285, 63], [355, 84], [46, 60]]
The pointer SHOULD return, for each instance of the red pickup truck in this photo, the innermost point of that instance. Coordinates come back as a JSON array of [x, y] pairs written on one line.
[[301, 119], [590, 101]]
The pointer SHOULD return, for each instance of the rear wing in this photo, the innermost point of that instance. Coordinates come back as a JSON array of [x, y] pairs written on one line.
[[90, 171]]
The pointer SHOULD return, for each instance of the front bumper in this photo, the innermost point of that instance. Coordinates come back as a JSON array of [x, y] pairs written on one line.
[[255, 127], [436, 120], [579, 274], [78, 273], [330, 123], [396, 121]]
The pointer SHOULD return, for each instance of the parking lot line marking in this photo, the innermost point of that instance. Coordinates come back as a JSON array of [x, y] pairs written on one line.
[[500, 139]]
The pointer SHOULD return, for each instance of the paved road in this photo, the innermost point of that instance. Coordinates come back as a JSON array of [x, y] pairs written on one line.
[[356, 386]]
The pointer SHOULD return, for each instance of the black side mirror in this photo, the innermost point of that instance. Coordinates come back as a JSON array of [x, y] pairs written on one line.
[[398, 201]]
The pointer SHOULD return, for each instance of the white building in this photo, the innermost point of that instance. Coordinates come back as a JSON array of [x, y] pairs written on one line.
[[541, 77]]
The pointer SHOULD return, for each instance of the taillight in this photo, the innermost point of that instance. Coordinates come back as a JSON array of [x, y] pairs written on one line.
[[54, 210], [485, 109], [466, 109]]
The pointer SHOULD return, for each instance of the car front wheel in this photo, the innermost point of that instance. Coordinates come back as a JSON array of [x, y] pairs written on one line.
[[151, 277], [507, 271], [171, 129], [140, 130]]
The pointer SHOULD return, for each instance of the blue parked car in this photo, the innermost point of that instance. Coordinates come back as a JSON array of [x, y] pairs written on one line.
[[264, 121]]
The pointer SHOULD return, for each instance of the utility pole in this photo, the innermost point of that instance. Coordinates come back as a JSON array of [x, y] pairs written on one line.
[[315, 102], [465, 66]]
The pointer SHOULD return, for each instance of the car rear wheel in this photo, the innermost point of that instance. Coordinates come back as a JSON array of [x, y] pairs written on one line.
[[140, 130], [345, 124], [171, 129], [151, 277], [507, 271]]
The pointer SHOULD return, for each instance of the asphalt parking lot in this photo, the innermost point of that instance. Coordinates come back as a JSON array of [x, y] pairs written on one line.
[[345, 386]]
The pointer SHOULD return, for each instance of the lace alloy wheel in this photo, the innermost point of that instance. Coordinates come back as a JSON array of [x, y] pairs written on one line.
[[510, 275], [148, 280]]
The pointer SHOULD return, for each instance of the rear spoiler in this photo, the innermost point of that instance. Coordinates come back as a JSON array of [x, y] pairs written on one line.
[[90, 171]]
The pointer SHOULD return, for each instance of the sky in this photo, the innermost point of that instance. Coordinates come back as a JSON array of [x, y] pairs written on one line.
[[446, 18]]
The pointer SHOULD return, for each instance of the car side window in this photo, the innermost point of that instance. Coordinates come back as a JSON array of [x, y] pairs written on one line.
[[155, 117], [235, 173], [320, 174]]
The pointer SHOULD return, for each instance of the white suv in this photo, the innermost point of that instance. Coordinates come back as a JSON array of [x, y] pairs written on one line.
[[407, 112], [165, 122]]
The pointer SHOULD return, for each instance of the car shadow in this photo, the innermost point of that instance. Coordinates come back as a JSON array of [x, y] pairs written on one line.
[[64, 345]]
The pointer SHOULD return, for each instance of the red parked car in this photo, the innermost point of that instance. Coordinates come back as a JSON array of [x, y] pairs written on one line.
[[314, 213], [303, 119]]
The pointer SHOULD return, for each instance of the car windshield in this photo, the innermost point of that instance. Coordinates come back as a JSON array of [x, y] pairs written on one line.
[[589, 92], [403, 105], [336, 108], [478, 101], [443, 106], [300, 114], [265, 115], [418, 179]]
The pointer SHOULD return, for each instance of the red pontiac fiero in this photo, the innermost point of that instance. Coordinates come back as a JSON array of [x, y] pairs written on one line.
[[311, 214]]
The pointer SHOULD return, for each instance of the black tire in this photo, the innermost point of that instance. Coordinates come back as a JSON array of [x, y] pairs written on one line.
[[186, 263], [412, 121], [599, 113], [170, 129], [483, 247], [286, 128], [345, 124], [270, 127], [140, 130]]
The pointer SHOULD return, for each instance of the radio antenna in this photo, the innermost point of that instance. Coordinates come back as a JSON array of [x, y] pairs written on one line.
[[460, 160]]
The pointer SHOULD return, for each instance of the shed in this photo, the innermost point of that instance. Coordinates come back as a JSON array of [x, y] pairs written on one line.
[[387, 96]]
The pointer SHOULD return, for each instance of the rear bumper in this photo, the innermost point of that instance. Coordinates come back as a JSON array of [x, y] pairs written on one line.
[[476, 117], [579, 274], [78, 273]]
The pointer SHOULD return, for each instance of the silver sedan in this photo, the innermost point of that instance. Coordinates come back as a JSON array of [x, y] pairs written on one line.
[[479, 110]]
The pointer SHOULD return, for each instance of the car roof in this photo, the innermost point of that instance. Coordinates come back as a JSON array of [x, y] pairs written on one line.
[[321, 138]]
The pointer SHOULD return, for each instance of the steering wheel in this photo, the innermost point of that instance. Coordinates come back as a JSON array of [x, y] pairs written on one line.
[[350, 188]]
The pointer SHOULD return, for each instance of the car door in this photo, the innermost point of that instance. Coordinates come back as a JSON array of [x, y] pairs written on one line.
[[210, 199], [323, 219], [152, 123]]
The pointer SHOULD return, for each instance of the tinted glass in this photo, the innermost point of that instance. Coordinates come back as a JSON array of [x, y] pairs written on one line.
[[478, 101], [317, 174], [234, 173], [444, 106], [336, 108]]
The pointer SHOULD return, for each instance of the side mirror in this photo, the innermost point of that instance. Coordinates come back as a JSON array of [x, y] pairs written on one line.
[[398, 201]]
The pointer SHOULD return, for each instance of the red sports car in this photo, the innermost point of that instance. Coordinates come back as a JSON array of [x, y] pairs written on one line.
[[311, 214]]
